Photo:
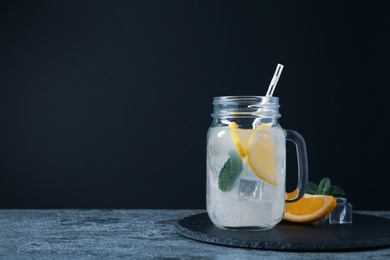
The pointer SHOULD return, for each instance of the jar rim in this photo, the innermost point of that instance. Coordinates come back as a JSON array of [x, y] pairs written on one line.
[[254, 99], [246, 106]]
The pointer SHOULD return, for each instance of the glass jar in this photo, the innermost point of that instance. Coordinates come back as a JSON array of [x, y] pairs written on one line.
[[246, 163]]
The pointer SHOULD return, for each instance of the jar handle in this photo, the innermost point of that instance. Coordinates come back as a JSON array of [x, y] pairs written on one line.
[[303, 168]]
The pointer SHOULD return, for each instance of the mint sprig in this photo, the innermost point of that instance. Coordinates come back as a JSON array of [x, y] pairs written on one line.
[[230, 171], [324, 188]]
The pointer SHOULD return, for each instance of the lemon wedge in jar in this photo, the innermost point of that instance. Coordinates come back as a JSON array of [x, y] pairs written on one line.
[[259, 146], [241, 139], [261, 155]]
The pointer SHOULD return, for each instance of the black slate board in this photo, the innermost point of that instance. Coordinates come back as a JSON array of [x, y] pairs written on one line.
[[366, 232]]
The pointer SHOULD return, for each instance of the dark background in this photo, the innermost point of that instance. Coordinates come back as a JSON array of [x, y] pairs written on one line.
[[106, 104]]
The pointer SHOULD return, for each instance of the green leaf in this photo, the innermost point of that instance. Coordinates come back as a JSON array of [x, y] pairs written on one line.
[[229, 172], [336, 190], [324, 186], [223, 179], [312, 188]]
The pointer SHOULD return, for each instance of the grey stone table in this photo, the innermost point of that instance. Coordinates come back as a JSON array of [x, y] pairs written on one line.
[[129, 234]]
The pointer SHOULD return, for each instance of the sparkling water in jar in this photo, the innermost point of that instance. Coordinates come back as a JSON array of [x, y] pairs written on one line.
[[246, 163]]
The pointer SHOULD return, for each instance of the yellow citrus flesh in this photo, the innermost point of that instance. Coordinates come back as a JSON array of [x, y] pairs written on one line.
[[261, 156], [242, 137], [309, 209]]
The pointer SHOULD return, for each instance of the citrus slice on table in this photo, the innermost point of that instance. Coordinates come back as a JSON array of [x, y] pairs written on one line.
[[291, 195], [309, 209], [261, 155]]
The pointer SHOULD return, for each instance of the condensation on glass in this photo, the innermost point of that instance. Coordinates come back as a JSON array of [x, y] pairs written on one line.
[[246, 163]]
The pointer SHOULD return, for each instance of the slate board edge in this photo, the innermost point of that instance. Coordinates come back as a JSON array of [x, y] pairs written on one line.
[[277, 246]]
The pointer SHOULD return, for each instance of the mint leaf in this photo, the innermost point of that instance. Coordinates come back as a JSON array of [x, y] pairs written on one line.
[[324, 186], [225, 176], [312, 188], [336, 190], [230, 171]]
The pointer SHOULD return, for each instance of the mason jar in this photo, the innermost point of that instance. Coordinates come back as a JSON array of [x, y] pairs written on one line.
[[246, 163]]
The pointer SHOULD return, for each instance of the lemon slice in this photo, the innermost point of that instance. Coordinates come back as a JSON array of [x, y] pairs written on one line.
[[242, 137], [261, 155]]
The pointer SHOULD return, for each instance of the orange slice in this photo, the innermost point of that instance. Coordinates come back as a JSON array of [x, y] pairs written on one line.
[[309, 209], [291, 195]]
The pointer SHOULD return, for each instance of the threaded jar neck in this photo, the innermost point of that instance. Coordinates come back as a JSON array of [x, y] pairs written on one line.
[[245, 106]]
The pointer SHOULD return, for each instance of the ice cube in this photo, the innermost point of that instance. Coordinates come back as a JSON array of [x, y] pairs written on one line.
[[270, 192], [342, 213], [250, 190]]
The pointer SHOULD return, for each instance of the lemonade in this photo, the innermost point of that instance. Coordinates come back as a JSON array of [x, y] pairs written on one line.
[[246, 163], [246, 175]]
